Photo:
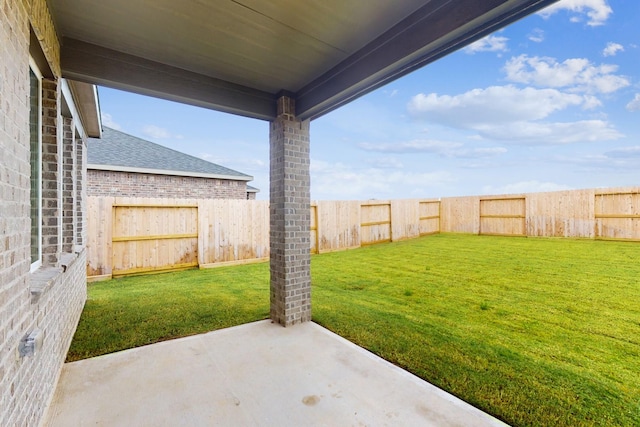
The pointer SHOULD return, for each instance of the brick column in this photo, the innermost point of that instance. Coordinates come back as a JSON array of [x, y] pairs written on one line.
[[290, 217]]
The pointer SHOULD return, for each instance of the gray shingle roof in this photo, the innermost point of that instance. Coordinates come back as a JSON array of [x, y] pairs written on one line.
[[126, 152]]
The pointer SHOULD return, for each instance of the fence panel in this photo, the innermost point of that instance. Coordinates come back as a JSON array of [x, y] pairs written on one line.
[[233, 231], [375, 225], [99, 232], [405, 214], [617, 215], [153, 237], [561, 214], [460, 215], [503, 216], [313, 229], [338, 225], [429, 217]]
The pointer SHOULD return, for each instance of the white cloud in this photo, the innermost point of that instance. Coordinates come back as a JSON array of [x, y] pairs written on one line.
[[413, 146], [488, 44], [364, 183], [542, 133], [478, 153], [617, 160], [634, 104], [107, 120], [591, 102], [624, 152], [157, 132], [495, 105], [508, 114], [385, 163], [612, 49], [596, 11], [536, 36], [441, 148], [525, 187], [575, 74]]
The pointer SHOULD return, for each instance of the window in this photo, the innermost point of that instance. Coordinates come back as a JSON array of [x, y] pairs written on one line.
[[35, 132]]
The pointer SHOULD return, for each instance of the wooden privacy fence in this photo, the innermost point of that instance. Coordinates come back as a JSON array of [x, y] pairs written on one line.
[[142, 235], [135, 235], [594, 214]]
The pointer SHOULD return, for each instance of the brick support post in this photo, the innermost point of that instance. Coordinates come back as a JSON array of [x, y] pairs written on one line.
[[289, 217]]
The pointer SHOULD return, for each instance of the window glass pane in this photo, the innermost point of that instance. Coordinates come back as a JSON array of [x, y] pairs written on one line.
[[36, 165]]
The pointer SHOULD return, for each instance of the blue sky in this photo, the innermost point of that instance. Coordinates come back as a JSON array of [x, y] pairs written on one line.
[[552, 102]]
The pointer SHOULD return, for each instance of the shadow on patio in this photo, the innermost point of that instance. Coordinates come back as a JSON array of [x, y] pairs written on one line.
[[258, 374]]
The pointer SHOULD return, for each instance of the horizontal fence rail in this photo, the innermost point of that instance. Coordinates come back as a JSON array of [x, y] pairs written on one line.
[[137, 236]]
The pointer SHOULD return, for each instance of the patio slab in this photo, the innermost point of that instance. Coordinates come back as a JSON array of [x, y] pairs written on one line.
[[258, 374]]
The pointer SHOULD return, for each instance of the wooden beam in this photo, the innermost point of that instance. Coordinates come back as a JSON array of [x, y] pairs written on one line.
[[370, 224], [85, 62], [154, 270], [153, 205], [500, 199], [154, 237], [436, 29]]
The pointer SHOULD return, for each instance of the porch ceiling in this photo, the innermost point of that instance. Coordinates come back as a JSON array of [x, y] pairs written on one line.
[[238, 55]]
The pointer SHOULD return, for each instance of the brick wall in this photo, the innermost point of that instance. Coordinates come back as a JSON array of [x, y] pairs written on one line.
[[14, 190], [127, 184], [51, 298], [54, 307]]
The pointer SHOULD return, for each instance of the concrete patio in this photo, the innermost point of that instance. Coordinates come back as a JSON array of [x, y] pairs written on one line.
[[258, 374]]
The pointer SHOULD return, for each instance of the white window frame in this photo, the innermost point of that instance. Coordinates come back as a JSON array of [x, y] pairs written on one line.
[[33, 67]]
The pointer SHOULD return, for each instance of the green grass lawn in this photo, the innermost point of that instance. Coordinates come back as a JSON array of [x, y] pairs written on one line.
[[537, 332]]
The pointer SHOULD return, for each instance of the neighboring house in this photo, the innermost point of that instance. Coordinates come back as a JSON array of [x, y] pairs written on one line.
[[123, 165], [251, 192]]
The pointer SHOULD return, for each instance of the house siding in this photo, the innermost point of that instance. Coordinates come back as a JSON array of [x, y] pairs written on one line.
[[129, 184], [51, 298]]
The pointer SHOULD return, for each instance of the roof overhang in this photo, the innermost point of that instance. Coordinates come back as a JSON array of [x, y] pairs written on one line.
[[86, 106], [238, 56], [115, 168]]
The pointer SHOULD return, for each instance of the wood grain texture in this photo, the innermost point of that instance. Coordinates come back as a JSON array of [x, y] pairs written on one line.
[[134, 235]]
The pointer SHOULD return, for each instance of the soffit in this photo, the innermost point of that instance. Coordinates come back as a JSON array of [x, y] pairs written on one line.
[[230, 54]]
